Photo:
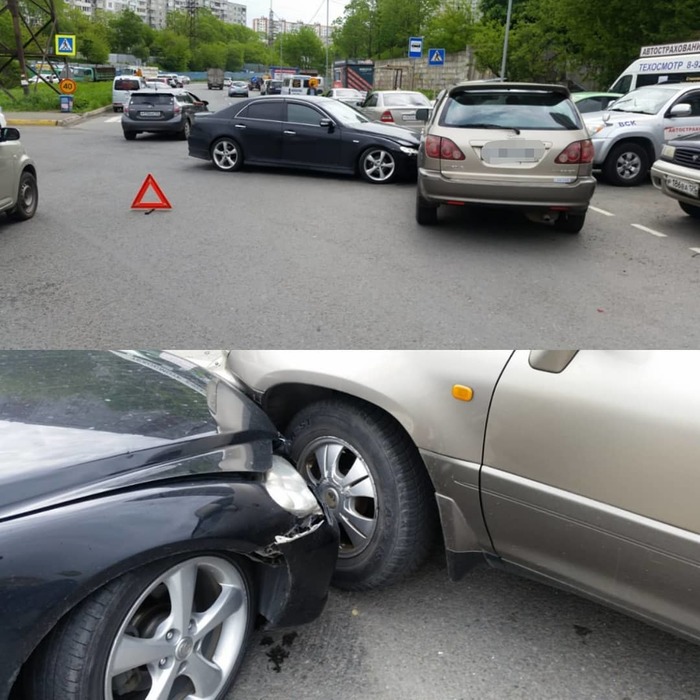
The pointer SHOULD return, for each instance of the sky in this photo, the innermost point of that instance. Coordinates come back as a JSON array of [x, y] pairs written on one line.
[[308, 11]]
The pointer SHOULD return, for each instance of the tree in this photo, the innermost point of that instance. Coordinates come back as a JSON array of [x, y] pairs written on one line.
[[452, 27], [303, 49]]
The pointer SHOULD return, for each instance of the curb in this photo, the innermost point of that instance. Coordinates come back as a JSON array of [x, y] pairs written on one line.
[[64, 121]]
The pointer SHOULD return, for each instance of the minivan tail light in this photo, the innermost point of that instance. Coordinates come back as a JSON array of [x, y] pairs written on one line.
[[440, 147], [578, 152], [177, 109], [386, 116]]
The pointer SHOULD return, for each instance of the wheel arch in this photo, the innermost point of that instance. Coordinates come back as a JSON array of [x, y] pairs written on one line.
[[374, 144], [643, 141]]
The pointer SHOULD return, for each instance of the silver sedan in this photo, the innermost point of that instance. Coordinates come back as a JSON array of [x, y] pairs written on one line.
[[395, 107]]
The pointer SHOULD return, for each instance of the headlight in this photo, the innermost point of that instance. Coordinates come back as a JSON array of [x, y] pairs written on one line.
[[287, 488], [668, 152], [595, 128], [409, 150]]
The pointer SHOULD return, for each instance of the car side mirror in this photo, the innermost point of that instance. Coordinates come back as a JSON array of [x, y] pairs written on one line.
[[9, 133], [423, 114], [328, 123], [681, 110]]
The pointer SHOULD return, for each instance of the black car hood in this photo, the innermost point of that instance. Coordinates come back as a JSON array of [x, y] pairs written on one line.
[[396, 133], [70, 421]]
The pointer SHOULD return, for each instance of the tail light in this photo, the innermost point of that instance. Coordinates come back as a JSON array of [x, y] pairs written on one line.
[[439, 147], [386, 117], [578, 152], [177, 109]]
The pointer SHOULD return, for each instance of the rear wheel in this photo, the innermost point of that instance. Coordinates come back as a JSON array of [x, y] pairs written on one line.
[[226, 155], [627, 165], [175, 629], [426, 214], [130, 135], [690, 209], [570, 223], [378, 166], [27, 198], [363, 467], [186, 129]]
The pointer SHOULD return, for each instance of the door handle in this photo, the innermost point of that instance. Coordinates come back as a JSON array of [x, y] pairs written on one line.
[[240, 126], [292, 133]]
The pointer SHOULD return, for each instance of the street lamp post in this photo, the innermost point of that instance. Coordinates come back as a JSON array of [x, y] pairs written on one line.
[[328, 75], [505, 41]]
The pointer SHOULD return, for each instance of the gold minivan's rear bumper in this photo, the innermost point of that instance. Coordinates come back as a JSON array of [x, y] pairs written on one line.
[[438, 189]]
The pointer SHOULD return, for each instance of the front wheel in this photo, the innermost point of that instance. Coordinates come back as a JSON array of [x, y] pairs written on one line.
[[27, 198], [378, 166], [174, 629], [690, 209], [226, 155], [570, 223], [626, 165], [365, 470], [130, 135]]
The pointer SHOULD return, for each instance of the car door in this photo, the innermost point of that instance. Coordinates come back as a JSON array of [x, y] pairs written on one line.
[[677, 126], [590, 476], [258, 126], [9, 155], [305, 142]]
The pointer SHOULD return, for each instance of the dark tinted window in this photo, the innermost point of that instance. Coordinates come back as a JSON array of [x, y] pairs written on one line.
[[262, 109], [126, 84], [156, 99], [302, 114]]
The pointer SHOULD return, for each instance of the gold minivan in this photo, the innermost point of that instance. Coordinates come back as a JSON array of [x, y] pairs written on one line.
[[515, 145]]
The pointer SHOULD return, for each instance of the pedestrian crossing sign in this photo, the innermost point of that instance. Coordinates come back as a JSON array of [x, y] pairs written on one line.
[[436, 57], [65, 44]]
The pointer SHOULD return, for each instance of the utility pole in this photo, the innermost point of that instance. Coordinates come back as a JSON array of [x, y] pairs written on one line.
[[14, 11], [328, 41], [505, 41]]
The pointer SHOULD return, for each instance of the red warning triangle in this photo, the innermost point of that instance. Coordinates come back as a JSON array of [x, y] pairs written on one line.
[[150, 183]]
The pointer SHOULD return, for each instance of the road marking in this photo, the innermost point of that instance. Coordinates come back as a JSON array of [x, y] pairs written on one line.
[[650, 230], [602, 211], [696, 250], [113, 119]]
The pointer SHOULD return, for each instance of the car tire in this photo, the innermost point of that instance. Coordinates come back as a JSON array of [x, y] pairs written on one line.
[[92, 650], [690, 209], [426, 214], [364, 468], [570, 223], [378, 165], [130, 135], [226, 155], [627, 165], [27, 198], [186, 129]]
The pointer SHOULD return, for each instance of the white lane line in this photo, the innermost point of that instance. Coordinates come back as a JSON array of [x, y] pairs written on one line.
[[112, 119], [650, 230], [602, 211], [696, 250]]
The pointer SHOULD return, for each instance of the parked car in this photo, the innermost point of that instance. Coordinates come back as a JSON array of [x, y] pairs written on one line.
[[44, 78], [271, 87], [348, 95], [19, 192], [594, 101], [677, 172], [238, 88], [297, 131], [184, 79], [520, 146], [629, 136], [161, 111], [395, 107], [147, 523], [122, 88], [576, 468], [172, 79]]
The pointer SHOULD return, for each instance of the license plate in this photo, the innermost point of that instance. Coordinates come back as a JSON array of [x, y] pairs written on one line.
[[684, 186], [149, 114], [410, 117]]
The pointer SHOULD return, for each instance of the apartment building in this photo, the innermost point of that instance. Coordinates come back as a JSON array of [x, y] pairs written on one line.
[[262, 26]]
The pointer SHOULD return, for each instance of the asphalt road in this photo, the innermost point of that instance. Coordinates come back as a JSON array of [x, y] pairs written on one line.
[[267, 258], [490, 636]]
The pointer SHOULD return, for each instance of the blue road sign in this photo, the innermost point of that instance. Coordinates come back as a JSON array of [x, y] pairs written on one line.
[[436, 57], [65, 44], [415, 47]]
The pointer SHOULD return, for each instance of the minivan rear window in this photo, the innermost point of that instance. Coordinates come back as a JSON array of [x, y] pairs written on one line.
[[510, 109], [126, 84], [162, 99]]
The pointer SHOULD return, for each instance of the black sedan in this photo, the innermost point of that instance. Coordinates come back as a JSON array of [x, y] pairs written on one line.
[[146, 523], [314, 133]]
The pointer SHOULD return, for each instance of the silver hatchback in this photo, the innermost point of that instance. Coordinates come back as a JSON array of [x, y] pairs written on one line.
[[19, 194], [517, 145]]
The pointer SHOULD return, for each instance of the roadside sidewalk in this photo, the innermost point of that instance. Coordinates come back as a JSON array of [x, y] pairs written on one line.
[[50, 118]]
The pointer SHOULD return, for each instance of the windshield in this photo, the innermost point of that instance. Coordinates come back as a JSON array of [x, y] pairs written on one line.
[[510, 109], [344, 113], [406, 99], [648, 100], [340, 92]]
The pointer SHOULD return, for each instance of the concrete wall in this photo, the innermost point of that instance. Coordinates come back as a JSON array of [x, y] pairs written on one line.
[[416, 74]]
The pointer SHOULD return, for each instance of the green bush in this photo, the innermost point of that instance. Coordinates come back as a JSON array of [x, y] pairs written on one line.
[[43, 98]]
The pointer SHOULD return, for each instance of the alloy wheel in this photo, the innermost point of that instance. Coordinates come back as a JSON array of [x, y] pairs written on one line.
[[378, 165]]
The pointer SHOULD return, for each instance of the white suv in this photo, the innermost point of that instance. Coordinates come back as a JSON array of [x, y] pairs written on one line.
[[19, 194]]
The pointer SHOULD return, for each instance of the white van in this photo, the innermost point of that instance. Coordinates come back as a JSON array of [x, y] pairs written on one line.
[[122, 87], [665, 63], [299, 84]]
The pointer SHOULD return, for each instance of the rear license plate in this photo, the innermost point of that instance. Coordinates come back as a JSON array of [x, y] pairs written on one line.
[[684, 186], [149, 114], [410, 117]]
